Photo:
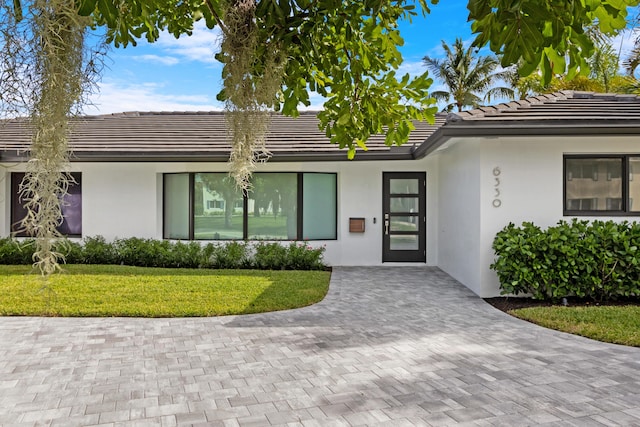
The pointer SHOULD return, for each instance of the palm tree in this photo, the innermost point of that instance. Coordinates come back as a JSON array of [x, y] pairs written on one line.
[[604, 73], [523, 87], [469, 78], [605, 65]]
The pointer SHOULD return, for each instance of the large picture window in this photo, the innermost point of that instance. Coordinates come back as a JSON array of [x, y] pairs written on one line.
[[279, 206], [71, 206], [601, 185]]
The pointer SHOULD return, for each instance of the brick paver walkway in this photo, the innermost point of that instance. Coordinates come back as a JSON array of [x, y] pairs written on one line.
[[388, 346]]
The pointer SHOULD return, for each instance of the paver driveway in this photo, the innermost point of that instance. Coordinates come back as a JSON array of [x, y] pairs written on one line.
[[388, 346]]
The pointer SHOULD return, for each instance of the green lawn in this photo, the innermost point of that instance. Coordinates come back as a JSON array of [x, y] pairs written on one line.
[[614, 324], [263, 227], [96, 290]]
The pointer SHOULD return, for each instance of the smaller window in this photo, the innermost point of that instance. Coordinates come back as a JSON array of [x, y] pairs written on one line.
[[319, 206], [600, 185], [634, 183], [215, 204], [176, 206], [71, 206]]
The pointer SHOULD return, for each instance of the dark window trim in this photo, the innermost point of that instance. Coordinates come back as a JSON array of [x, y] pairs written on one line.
[[192, 207], [337, 187], [625, 185], [15, 198], [245, 214], [299, 201], [245, 204]]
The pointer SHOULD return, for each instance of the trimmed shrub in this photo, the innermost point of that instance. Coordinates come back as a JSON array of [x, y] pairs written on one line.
[[70, 251], [163, 253], [270, 256], [186, 255], [16, 252], [598, 260], [96, 250], [301, 256], [230, 255], [137, 252]]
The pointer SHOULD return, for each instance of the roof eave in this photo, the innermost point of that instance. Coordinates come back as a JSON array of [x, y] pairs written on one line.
[[399, 153], [463, 129]]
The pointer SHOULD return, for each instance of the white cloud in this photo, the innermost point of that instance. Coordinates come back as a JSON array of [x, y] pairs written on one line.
[[116, 98], [317, 103], [163, 60], [623, 44], [200, 46], [413, 68]]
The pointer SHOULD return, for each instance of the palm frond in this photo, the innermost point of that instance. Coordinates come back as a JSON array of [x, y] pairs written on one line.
[[633, 60], [468, 77], [499, 92], [440, 95]]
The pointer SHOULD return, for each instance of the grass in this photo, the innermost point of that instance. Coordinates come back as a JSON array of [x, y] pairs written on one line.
[[613, 324], [105, 291], [262, 227]]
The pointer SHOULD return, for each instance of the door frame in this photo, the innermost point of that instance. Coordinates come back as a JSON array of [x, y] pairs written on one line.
[[409, 255]]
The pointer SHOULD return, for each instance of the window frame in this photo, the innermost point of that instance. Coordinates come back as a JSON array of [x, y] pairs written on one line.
[[16, 178], [245, 202], [625, 170]]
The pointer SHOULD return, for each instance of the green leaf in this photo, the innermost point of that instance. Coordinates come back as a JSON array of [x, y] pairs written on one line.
[[86, 7], [107, 9]]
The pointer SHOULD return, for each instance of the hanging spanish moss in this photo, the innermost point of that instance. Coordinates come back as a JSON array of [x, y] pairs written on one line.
[[253, 76], [43, 58]]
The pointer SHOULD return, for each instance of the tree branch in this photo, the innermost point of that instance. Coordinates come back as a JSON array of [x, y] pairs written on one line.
[[216, 16]]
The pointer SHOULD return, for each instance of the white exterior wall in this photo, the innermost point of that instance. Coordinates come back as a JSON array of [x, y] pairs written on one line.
[[530, 189], [459, 226], [5, 203], [122, 200]]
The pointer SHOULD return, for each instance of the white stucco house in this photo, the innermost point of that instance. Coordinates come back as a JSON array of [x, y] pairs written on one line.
[[437, 200]]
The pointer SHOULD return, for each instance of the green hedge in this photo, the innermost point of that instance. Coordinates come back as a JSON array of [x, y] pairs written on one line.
[[599, 260], [164, 253]]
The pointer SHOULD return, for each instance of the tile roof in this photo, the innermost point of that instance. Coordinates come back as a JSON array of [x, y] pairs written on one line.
[[183, 136], [560, 113], [202, 136], [561, 106]]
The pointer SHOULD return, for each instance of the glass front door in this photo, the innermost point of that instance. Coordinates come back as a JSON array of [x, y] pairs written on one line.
[[404, 218]]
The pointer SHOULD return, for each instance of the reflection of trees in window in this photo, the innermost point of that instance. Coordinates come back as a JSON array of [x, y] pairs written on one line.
[[274, 195], [224, 186], [259, 196], [198, 198], [194, 206]]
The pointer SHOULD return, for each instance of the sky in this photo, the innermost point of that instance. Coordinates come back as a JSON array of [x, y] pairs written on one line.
[[182, 74]]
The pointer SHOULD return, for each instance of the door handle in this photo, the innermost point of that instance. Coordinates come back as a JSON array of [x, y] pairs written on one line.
[[386, 224]]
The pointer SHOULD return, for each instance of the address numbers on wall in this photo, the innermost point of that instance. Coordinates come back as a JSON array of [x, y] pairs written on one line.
[[497, 201]]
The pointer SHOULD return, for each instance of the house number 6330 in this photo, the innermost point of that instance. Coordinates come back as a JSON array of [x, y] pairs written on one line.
[[497, 202]]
